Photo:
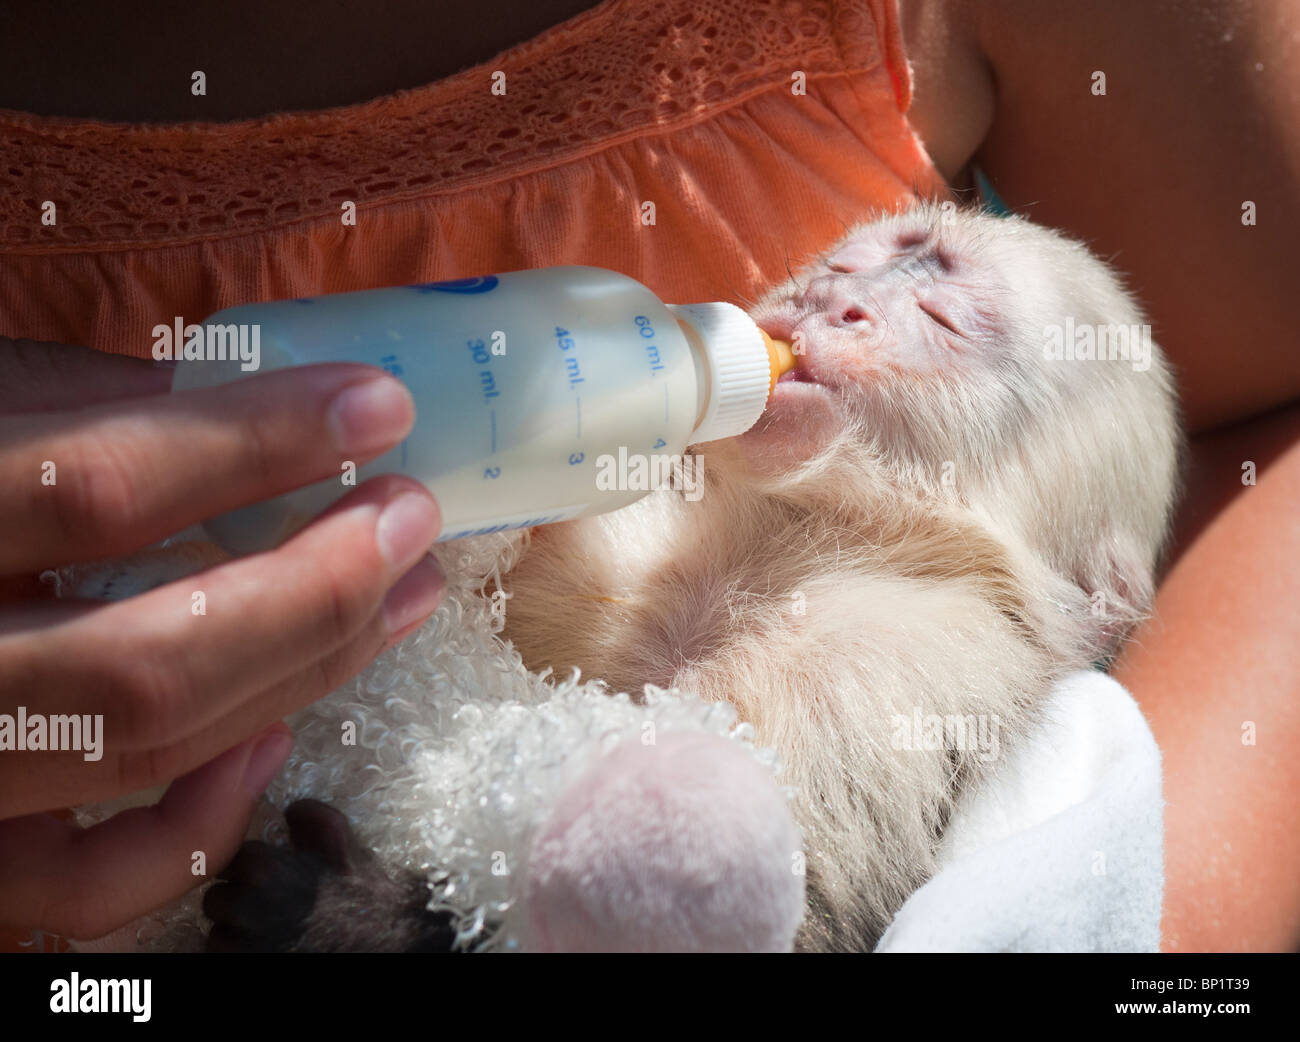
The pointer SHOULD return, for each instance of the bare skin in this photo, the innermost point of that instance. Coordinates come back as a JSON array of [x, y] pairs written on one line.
[[1153, 175]]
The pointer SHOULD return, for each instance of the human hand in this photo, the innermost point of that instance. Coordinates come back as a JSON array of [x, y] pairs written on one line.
[[96, 461]]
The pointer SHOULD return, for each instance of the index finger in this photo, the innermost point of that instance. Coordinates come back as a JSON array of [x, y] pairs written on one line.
[[115, 477]]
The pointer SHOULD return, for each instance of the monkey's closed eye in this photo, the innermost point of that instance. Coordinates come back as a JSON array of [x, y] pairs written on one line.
[[938, 317], [945, 259]]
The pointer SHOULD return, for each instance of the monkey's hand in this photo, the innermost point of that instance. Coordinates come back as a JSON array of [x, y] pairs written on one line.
[[324, 893]]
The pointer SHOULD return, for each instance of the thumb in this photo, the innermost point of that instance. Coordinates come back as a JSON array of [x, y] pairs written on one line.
[[38, 376], [82, 883]]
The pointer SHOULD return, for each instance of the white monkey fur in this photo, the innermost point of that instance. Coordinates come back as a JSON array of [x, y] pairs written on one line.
[[962, 599]]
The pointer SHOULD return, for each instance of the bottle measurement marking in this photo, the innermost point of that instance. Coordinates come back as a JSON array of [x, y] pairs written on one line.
[[390, 364], [578, 401], [652, 355], [487, 383], [647, 332], [572, 370], [487, 380]]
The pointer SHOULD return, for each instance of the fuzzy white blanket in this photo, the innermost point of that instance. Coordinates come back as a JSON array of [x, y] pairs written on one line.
[[447, 755]]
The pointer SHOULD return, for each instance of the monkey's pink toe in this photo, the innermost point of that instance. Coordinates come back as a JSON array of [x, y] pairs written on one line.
[[686, 845]]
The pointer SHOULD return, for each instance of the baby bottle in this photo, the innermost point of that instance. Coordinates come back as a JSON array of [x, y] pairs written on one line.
[[540, 395]]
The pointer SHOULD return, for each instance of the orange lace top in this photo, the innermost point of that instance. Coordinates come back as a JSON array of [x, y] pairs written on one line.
[[758, 129]]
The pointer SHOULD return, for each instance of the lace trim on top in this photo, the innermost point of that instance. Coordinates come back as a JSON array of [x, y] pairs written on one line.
[[618, 70]]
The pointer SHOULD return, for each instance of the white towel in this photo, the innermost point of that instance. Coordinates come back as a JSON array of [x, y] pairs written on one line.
[[1062, 849]]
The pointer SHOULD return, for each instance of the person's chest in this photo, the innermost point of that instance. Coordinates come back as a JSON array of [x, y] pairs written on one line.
[[138, 64]]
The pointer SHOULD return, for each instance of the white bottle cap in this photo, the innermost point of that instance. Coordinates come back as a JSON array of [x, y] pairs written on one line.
[[740, 368]]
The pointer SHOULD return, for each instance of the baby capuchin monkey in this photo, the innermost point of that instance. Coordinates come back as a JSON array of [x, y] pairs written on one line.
[[960, 494]]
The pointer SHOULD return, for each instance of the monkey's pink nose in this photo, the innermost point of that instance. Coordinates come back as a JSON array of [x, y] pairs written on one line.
[[838, 297]]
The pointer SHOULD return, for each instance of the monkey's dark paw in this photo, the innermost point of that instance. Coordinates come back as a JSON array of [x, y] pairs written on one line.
[[266, 895], [324, 892]]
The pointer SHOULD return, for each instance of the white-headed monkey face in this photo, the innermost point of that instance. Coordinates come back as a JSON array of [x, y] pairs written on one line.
[[988, 362], [946, 329]]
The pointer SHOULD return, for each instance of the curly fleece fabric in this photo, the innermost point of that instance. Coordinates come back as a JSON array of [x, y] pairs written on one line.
[[463, 764]]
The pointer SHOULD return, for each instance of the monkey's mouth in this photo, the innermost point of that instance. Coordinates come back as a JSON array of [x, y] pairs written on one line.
[[783, 329]]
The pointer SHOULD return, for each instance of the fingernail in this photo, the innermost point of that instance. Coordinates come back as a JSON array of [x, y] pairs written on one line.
[[371, 415], [265, 761], [406, 529], [416, 595]]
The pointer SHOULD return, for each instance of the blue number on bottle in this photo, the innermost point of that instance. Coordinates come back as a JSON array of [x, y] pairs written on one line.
[[576, 457], [492, 472]]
